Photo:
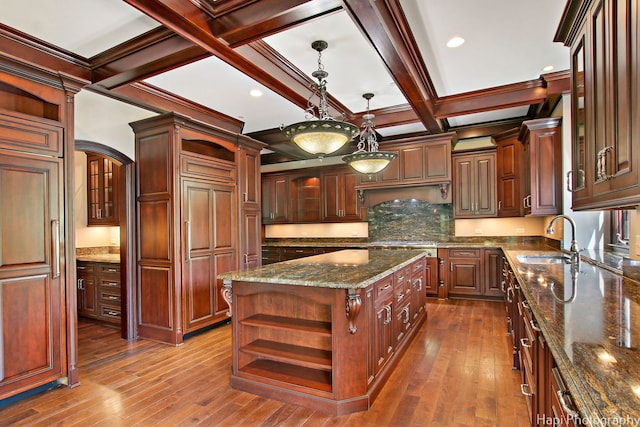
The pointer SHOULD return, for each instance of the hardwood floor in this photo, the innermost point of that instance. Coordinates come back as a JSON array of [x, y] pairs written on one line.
[[457, 372]]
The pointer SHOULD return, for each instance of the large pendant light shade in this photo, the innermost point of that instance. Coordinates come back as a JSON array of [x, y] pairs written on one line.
[[367, 159], [324, 135]]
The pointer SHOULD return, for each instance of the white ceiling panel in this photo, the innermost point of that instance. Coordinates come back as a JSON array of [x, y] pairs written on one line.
[[84, 27], [353, 65], [505, 41]]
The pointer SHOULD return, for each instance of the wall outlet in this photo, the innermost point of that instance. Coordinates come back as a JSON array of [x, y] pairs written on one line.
[[478, 231], [519, 230]]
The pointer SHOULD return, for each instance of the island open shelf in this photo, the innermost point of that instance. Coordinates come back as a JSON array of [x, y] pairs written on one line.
[[325, 331]]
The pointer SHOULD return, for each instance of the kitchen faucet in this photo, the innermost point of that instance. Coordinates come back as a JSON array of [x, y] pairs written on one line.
[[575, 252]]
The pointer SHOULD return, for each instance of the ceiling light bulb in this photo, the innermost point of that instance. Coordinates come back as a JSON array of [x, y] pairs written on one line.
[[548, 68], [255, 92], [455, 42]]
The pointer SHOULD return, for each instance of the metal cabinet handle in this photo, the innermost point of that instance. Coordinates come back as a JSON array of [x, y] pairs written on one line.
[[509, 298], [499, 205], [534, 325], [601, 168], [406, 314], [502, 286], [570, 412], [81, 284], [525, 342], [187, 225], [55, 248], [112, 313], [385, 287], [419, 282], [400, 296], [387, 308], [523, 391], [112, 297], [526, 305]]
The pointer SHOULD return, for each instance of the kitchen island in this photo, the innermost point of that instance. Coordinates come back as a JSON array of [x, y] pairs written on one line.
[[325, 331]]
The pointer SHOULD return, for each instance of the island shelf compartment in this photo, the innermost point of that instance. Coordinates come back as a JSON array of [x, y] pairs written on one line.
[[285, 337]]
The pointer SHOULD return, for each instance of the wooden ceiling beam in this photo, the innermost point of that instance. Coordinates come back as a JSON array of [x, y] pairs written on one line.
[[149, 54], [255, 20], [383, 23], [192, 23]]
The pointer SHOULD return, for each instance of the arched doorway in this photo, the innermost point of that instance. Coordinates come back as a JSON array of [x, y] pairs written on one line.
[[126, 198]]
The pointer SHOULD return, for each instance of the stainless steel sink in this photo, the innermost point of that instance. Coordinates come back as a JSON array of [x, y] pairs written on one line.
[[544, 259]]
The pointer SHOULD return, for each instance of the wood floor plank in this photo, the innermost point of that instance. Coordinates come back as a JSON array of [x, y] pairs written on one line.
[[456, 372]]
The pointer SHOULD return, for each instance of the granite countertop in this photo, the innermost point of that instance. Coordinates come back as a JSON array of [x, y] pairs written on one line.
[[591, 321], [348, 269], [112, 258]]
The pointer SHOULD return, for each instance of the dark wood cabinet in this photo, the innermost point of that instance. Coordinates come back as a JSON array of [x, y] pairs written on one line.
[[339, 197], [276, 194], [508, 174], [470, 273], [384, 331], [492, 283], [542, 171], [604, 37], [420, 161], [305, 197], [37, 281], [99, 292], [465, 272], [250, 222], [312, 195], [87, 289], [474, 184], [192, 225], [431, 282], [102, 191]]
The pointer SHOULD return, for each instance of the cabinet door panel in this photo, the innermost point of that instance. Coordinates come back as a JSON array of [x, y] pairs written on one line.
[[486, 185], [31, 273], [437, 161], [464, 276], [463, 194], [412, 163], [208, 232]]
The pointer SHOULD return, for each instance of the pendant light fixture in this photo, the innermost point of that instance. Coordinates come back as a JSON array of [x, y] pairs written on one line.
[[325, 134], [367, 159]]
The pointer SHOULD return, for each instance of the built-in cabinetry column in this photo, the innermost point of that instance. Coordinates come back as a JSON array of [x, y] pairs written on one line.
[[190, 220]]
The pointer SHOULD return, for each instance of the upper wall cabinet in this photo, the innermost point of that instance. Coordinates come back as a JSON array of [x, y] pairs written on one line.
[[421, 161], [474, 184], [508, 173], [603, 36], [102, 190], [542, 166]]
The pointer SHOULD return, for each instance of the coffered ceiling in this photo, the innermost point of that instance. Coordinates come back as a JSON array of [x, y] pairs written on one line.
[[205, 57]]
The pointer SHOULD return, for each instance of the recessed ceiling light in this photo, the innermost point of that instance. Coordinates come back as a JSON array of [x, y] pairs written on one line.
[[548, 68], [255, 92], [455, 42]]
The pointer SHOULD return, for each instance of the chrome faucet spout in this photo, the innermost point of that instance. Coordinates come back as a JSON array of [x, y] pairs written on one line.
[[575, 252]]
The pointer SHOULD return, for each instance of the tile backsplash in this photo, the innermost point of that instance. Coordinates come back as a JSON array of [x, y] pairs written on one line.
[[410, 220]]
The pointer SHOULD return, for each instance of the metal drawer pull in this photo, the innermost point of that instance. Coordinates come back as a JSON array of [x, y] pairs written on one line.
[[112, 313], [385, 287], [522, 389], [570, 412], [400, 296], [534, 325], [509, 298], [112, 297], [388, 310], [502, 284], [525, 342]]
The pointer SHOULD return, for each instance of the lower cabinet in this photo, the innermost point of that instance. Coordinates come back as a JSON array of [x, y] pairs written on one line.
[[548, 400], [98, 291], [472, 272]]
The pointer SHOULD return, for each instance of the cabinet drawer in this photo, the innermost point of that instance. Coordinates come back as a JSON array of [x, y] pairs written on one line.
[[418, 266], [384, 288], [109, 269], [110, 312], [464, 253], [402, 285], [111, 296], [85, 267], [110, 283]]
